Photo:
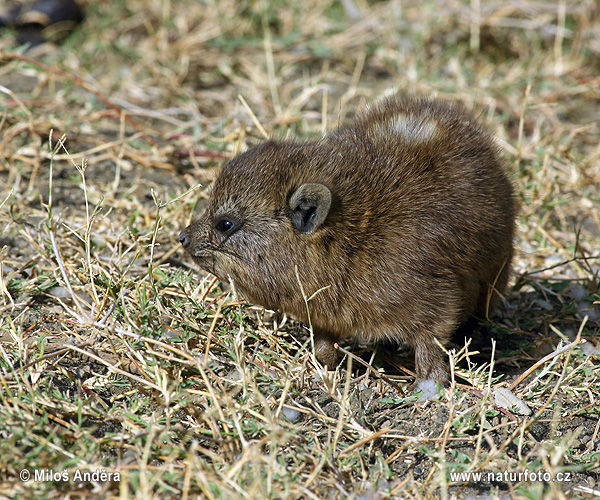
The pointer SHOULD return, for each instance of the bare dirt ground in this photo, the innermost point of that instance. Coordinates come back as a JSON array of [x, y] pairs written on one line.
[[117, 355]]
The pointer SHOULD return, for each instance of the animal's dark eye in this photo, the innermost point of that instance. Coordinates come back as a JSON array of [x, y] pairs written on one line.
[[225, 225]]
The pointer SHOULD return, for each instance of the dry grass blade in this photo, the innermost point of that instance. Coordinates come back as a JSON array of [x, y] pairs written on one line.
[[116, 354]]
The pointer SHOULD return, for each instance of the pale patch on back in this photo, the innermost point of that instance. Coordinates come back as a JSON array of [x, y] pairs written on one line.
[[409, 128]]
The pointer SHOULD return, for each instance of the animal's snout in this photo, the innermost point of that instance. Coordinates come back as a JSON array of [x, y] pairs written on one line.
[[184, 238]]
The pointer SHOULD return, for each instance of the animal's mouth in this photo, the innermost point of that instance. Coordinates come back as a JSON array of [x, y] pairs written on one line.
[[206, 259], [202, 253], [205, 255], [199, 251]]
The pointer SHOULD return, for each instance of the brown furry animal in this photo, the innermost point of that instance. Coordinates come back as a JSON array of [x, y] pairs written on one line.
[[402, 221]]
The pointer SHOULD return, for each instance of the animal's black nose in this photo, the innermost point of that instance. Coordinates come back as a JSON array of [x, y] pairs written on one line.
[[184, 238]]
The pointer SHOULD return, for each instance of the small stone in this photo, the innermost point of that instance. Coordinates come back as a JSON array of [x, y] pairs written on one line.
[[59, 292], [291, 414], [504, 398], [429, 390]]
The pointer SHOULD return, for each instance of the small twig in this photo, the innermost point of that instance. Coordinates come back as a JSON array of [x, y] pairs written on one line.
[[58, 352], [63, 271], [17, 100], [547, 358], [369, 367], [53, 69], [209, 288], [253, 116], [561, 250], [560, 264], [114, 369], [365, 440], [271, 66], [522, 125], [211, 330], [137, 336], [481, 395]]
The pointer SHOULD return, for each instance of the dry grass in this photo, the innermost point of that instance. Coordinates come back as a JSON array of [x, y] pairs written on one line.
[[116, 355]]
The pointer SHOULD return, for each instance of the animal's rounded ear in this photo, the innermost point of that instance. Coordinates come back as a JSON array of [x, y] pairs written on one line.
[[310, 205]]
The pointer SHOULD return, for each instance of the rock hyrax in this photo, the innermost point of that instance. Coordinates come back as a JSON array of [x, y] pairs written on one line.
[[400, 224]]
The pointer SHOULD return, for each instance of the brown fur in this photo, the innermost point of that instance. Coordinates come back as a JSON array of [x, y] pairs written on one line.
[[419, 228]]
